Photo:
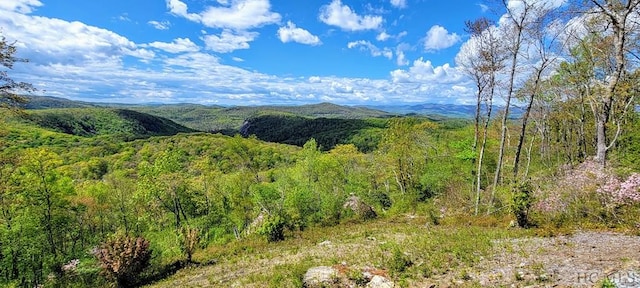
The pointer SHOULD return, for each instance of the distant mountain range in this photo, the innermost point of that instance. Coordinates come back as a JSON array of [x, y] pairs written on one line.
[[207, 118], [447, 110]]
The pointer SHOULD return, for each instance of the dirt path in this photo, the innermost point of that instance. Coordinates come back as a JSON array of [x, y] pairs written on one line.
[[583, 259]]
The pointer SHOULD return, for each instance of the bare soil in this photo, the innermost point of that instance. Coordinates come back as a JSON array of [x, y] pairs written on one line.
[[583, 259]]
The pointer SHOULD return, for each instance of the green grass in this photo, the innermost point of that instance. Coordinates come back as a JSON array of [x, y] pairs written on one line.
[[404, 248]]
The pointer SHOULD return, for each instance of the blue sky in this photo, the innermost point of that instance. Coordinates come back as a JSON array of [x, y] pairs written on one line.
[[243, 52]]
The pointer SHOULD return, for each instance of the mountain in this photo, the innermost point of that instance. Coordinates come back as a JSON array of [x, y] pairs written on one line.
[[48, 102], [89, 122], [446, 110], [328, 132]]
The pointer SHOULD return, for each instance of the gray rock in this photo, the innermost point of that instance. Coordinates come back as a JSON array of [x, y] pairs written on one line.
[[321, 276], [380, 282], [363, 210]]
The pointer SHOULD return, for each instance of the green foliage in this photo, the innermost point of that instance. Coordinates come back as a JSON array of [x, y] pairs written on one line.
[[522, 201], [9, 88], [273, 228], [398, 262], [328, 132], [88, 122], [607, 283]]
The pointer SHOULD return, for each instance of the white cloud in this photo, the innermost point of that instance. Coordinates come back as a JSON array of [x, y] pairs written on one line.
[[179, 8], [423, 71], [178, 45], [58, 41], [229, 40], [82, 62], [374, 50], [237, 59], [401, 59], [164, 25], [241, 15], [291, 33], [438, 38], [399, 3], [483, 7], [20, 6], [341, 87], [383, 36], [342, 16]]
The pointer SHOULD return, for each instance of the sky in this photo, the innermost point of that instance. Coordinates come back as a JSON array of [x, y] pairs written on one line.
[[243, 52]]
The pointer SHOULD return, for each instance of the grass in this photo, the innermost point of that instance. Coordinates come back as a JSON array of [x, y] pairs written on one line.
[[404, 248]]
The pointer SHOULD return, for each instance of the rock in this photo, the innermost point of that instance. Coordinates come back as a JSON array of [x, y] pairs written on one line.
[[380, 282], [321, 276], [355, 204], [256, 223], [325, 243]]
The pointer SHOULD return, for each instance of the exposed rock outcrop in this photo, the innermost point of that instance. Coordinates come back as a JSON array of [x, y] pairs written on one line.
[[363, 210]]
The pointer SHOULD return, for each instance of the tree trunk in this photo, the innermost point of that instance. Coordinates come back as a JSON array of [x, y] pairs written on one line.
[[514, 63], [525, 119]]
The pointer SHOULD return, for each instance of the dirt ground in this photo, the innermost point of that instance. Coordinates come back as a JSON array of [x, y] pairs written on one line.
[[583, 259]]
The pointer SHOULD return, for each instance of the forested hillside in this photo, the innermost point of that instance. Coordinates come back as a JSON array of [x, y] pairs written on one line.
[[119, 123], [217, 118], [108, 196]]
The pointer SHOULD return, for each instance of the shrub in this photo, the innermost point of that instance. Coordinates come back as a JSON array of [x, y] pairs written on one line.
[[189, 241], [522, 201], [273, 228], [123, 258], [399, 262]]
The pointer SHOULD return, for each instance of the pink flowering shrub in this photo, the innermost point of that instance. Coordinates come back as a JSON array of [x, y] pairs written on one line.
[[620, 193], [586, 190]]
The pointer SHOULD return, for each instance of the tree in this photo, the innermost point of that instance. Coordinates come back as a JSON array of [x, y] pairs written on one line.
[[619, 24], [482, 58], [9, 88], [542, 41], [519, 21]]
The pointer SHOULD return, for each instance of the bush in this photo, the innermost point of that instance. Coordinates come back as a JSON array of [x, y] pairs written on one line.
[[522, 201], [189, 241], [273, 228], [123, 258]]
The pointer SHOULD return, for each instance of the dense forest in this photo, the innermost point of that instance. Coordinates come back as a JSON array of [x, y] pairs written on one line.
[[99, 196]]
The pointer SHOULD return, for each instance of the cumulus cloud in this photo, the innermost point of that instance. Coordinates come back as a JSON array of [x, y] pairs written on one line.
[[83, 62], [399, 3], [291, 33], [424, 71], [55, 40], [383, 36], [373, 49], [438, 38], [20, 6], [178, 45], [240, 14], [163, 25], [401, 58], [229, 41], [179, 8], [342, 16]]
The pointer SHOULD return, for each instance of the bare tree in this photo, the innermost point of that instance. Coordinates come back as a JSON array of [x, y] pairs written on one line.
[[482, 57], [620, 17], [543, 40], [518, 17], [9, 88]]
